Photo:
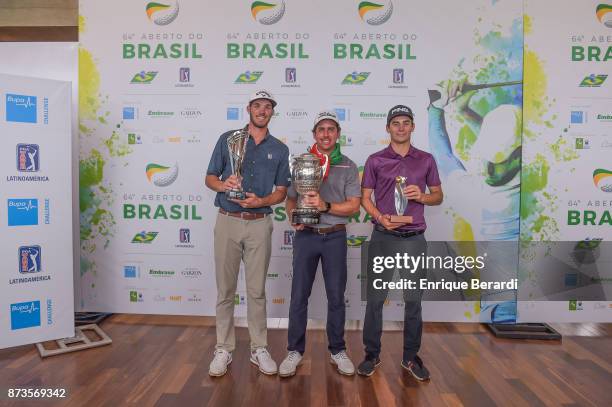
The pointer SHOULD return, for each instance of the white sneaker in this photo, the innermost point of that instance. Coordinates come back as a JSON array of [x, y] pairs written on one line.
[[261, 357], [218, 366], [290, 364], [344, 364]]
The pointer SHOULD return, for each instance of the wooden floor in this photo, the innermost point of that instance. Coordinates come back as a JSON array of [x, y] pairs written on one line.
[[163, 361]]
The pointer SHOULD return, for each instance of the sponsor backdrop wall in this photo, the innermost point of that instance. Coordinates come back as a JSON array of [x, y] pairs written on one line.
[[36, 293], [567, 165], [158, 90]]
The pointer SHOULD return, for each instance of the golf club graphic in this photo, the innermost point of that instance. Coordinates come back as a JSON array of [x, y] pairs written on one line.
[[435, 95]]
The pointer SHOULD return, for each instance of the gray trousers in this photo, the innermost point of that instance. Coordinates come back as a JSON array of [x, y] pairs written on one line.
[[237, 239]]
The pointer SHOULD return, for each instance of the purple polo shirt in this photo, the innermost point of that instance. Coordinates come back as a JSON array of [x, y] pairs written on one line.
[[381, 168]]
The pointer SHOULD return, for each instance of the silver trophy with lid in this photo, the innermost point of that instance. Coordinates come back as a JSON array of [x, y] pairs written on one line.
[[236, 145], [306, 175]]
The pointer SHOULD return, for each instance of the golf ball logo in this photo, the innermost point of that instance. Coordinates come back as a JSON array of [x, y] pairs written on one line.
[[604, 14], [161, 13], [375, 13], [603, 179], [268, 13], [161, 175]]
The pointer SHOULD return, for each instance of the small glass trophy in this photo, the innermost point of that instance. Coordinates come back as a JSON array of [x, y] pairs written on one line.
[[401, 202]]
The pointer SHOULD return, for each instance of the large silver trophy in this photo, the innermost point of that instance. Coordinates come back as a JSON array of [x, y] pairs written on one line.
[[236, 144], [306, 175], [401, 202]]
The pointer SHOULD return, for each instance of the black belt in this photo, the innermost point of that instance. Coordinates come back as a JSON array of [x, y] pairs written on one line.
[[324, 231], [397, 233]]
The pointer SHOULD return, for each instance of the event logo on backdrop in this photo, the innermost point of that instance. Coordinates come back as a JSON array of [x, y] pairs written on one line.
[[155, 46], [267, 45], [603, 179], [162, 14], [604, 14], [375, 13], [268, 13], [161, 175]]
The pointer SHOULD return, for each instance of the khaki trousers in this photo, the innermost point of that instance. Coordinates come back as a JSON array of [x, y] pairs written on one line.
[[237, 239]]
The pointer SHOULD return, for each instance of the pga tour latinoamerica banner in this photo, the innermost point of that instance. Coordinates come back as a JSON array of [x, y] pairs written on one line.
[[36, 292], [158, 89], [567, 158]]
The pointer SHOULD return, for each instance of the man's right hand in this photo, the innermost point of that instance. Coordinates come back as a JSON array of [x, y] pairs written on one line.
[[231, 182], [298, 226]]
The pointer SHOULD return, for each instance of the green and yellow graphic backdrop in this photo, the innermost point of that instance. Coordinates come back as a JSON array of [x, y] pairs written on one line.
[[160, 81]]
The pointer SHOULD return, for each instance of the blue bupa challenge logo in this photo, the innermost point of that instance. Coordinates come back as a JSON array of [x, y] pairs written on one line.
[[30, 259], [25, 315], [20, 108], [22, 212]]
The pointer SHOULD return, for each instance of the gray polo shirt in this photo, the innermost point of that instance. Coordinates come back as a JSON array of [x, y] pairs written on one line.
[[342, 183]]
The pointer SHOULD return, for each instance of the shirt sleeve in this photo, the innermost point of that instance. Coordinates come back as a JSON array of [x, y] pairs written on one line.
[[217, 164], [369, 175], [283, 176], [433, 178], [352, 188], [291, 192]]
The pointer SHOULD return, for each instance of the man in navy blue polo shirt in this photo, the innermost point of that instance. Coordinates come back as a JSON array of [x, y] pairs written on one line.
[[244, 228]]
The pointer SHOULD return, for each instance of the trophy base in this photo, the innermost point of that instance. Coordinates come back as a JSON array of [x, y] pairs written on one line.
[[305, 216], [235, 194], [403, 219]]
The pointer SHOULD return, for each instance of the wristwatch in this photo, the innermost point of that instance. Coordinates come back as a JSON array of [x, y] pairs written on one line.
[[327, 207]]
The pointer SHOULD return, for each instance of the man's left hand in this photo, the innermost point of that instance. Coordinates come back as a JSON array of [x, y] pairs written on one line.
[[251, 201], [413, 192]]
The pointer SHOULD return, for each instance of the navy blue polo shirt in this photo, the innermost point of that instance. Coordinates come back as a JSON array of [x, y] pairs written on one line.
[[265, 165]]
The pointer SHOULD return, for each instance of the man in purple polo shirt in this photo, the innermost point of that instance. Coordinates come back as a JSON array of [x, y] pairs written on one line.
[[400, 158]]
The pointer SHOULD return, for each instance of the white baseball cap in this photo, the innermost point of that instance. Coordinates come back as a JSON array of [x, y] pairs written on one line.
[[329, 114], [262, 94]]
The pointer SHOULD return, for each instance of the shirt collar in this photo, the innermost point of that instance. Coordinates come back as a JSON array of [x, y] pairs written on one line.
[[265, 137], [411, 153]]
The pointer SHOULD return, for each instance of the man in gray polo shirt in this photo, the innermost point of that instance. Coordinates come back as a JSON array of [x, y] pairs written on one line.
[[338, 198]]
